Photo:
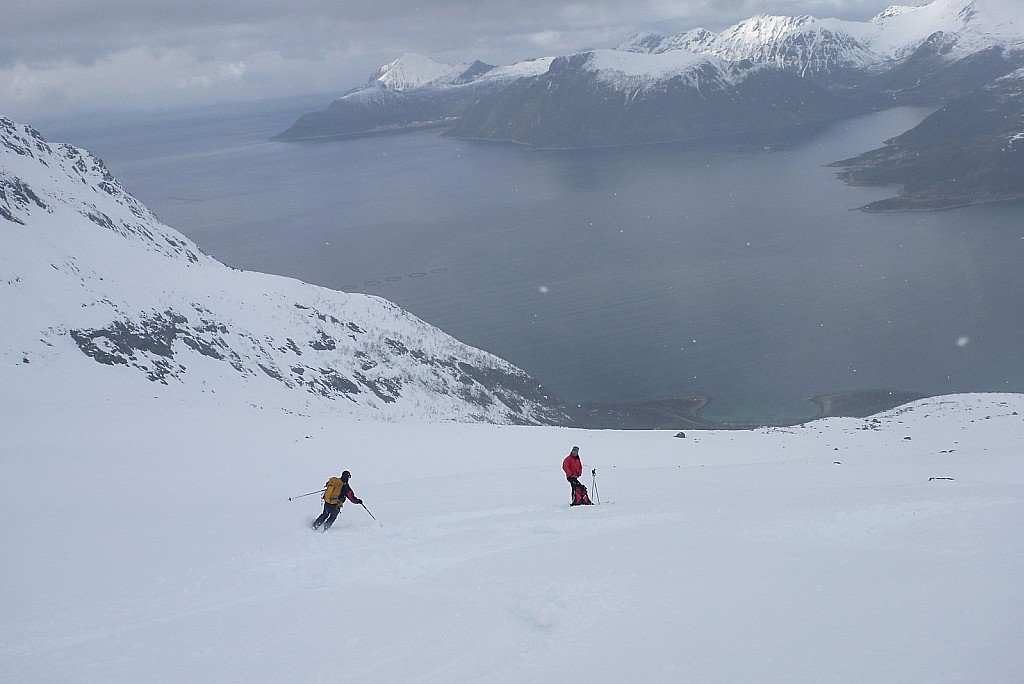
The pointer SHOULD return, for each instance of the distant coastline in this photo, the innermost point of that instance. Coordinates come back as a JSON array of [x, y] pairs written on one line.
[[683, 413], [364, 133]]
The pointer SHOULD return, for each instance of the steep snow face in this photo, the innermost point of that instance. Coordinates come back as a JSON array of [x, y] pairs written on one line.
[[91, 279], [414, 71]]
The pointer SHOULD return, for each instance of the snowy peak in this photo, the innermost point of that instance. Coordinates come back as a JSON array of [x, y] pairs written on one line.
[[894, 11], [415, 71], [808, 45], [814, 46]]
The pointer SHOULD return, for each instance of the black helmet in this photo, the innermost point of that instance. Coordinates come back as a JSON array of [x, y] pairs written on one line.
[[345, 475], [575, 448]]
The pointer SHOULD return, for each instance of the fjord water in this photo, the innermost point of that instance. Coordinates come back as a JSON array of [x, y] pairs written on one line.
[[738, 271]]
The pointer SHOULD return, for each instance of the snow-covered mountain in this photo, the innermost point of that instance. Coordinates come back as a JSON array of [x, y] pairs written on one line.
[[92, 279], [760, 73], [819, 47], [412, 91]]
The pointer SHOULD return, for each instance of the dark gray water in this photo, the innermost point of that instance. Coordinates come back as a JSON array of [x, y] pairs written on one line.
[[611, 275]]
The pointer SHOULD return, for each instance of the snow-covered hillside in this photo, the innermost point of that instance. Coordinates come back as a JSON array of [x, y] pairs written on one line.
[[151, 539], [89, 277]]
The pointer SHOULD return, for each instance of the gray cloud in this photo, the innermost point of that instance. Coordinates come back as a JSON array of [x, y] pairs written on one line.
[[66, 54]]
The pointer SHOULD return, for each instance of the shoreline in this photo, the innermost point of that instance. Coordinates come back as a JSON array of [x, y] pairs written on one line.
[[911, 203], [684, 413]]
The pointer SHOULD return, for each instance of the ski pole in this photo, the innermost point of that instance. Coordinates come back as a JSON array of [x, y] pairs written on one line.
[[319, 491], [371, 514], [593, 482]]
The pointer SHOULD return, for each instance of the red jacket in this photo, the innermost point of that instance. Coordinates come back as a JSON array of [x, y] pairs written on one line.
[[572, 465]]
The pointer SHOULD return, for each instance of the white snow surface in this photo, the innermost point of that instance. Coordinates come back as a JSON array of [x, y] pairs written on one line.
[[148, 537]]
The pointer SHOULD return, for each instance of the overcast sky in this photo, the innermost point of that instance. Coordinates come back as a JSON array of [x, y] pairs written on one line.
[[60, 58]]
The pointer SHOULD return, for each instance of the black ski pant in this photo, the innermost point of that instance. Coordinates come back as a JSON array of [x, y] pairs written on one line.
[[575, 484], [327, 517]]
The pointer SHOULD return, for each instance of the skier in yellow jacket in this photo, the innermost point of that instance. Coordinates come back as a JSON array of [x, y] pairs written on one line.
[[336, 491]]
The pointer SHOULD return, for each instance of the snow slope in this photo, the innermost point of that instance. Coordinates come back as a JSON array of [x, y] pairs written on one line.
[[89, 276], [151, 539]]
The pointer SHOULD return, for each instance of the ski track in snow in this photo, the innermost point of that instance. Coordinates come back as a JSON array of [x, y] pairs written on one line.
[[791, 552]]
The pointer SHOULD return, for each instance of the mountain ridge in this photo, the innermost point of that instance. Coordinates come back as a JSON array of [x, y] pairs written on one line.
[[762, 73]]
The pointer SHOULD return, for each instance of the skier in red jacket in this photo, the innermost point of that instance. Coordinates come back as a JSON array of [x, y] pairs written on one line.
[[573, 468]]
